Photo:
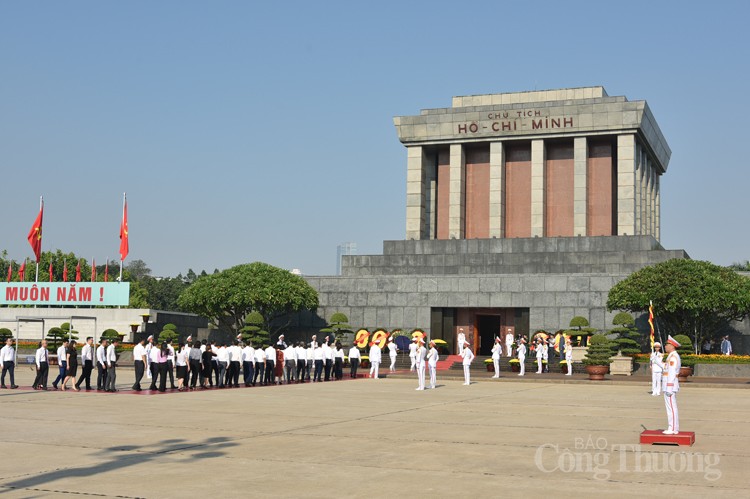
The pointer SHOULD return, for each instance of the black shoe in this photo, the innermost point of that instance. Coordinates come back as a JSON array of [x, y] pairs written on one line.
[[13, 387], [78, 387], [174, 387], [3, 386]]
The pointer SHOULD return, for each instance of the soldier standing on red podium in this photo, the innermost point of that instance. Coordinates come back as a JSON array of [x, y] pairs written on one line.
[[671, 386]]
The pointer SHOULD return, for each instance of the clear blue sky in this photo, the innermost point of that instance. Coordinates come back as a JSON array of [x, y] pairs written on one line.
[[247, 131]]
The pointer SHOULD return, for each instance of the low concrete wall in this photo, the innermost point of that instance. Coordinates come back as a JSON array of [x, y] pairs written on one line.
[[722, 370]]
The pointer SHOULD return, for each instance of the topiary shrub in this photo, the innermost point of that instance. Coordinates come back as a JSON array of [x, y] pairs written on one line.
[[599, 352], [5, 333], [686, 346], [253, 330], [627, 340]]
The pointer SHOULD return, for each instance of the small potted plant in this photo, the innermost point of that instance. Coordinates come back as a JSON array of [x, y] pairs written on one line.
[[515, 365], [564, 366], [364, 361], [686, 348], [490, 365], [598, 357]]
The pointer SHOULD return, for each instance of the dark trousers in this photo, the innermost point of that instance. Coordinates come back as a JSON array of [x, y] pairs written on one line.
[[170, 371], [338, 368], [329, 365], [9, 367], [354, 366], [195, 372], [63, 366], [234, 373], [318, 370], [247, 372], [222, 374], [88, 366], [139, 370], [162, 368], [291, 369], [270, 364], [101, 375], [111, 378], [41, 376], [259, 372], [308, 368], [217, 372], [301, 370], [154, 368]]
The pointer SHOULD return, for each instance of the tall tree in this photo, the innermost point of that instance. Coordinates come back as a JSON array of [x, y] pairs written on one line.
[[690, 297], [229, 296]]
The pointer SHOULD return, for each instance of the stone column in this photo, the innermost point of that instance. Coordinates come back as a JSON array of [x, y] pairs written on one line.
[[497, 190], [415, 193], [457, 202], [580, 187], [657, 207], [626, 156], [538, 160]]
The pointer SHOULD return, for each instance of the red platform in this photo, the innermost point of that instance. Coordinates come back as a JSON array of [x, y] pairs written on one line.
[[651, 437]]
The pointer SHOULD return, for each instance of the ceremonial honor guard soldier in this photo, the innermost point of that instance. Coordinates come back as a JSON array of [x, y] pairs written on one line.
[[671, 386], [375, 358], [497, 349], [468, 357], [461, 340], [521, 352], [657, 369], [569, 356], [432, 359], [421, 353]]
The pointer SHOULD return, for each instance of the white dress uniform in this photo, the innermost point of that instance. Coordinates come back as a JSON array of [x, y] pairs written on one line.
[[375, 359], [521, 352], [508, 345], [412, 355], [420, 364], [392, 352], [569, 358], [657, 370], [468, 357], [671, 387], [497, 349], [539, 357], [432, 359], [461, 340]]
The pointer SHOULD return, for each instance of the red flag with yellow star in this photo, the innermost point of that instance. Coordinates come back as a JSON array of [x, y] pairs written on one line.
[[35, 234], [124, 245]]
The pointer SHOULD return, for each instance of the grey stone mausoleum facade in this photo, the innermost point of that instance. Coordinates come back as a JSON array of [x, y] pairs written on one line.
[[522, 211]]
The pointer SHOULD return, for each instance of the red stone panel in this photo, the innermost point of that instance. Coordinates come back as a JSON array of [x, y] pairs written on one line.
[[558, 203], [477, 215], [518, 190], [600, 189], [443, 192]]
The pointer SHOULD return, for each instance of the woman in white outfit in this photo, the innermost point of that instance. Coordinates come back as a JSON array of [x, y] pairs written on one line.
[[420, 362], [657, 369], [497, 349], [467, 356], [392, 351], [521, 352], [569, 356], [432, 358]]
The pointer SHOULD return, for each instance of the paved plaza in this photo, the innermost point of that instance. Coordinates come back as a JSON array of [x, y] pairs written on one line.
[[372, 438]]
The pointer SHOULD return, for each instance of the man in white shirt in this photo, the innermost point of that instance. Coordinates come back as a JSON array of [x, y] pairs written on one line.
[[432, 359], [260, 364], [62, 364], [42, 367], [170, 364], [248, 363], [87, 357], [139, 362], [318, 358], [111, 367], [149, 346], [235, 364], [8, 361], [375, 358], [354, 357], [301, 362], [153, 361], [290, 362], [270, 364], [327, 359], [101, 364], [222, 357]]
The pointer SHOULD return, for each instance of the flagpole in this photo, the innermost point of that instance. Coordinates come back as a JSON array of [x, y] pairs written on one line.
[[124, 198], [41, 207]]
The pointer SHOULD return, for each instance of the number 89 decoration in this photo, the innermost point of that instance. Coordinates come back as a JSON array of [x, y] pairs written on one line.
[[362, 338]]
